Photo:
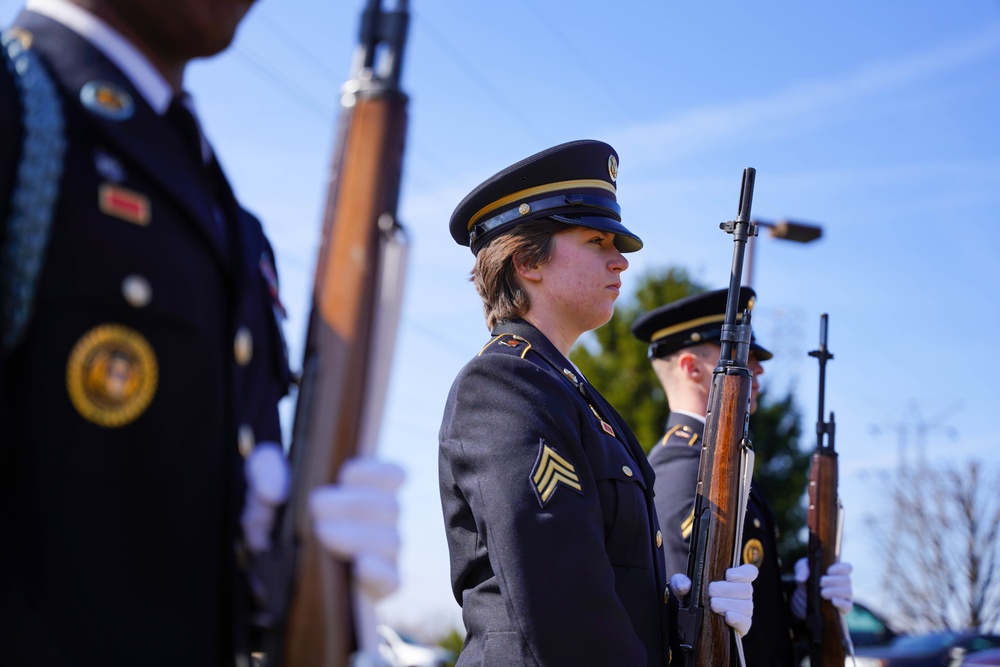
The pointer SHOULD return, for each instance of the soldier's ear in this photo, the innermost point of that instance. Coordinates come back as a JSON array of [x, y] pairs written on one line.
[[525, 270], [688, 364]]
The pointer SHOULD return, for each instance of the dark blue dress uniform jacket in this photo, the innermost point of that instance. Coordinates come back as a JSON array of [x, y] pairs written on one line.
[[675, 459], [549, 515], [117, 542]]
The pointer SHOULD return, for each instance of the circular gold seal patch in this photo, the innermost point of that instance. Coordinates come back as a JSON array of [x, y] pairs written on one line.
[[111, 375], [753, 552]]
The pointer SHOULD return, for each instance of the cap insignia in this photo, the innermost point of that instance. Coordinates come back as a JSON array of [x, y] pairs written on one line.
[[613, 167]]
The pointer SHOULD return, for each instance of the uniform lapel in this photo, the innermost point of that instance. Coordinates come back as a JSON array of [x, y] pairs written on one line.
[[143, 137], [542, 345]]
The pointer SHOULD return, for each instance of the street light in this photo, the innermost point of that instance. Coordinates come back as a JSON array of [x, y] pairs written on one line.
[[800, 232]]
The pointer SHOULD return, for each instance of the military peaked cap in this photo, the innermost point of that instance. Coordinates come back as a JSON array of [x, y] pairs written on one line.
[[690, 321], [573, 183]]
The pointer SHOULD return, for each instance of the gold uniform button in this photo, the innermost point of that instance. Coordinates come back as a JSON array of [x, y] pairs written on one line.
[[245, 440], [243, 346], [666, 595], [756, 522], [627, 471], [659, 539], [137, 291]]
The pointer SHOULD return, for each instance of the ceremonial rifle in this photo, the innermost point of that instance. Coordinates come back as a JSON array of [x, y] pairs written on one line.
[[352, 326], [829, 639], [724, 470]]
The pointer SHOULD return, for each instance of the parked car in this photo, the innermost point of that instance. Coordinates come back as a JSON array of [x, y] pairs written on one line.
[[981, 658], [867, 627], [935, 649], [401, 650]]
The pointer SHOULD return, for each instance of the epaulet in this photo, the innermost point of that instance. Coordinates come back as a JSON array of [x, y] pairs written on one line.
[[679, 434], [508, 344], [36, 186]]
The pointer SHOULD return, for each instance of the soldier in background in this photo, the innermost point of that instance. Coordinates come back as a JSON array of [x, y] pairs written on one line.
[[142, 357], [684, 348]]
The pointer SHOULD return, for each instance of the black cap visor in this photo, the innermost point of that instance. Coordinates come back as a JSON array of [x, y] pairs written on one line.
[[624, 240]]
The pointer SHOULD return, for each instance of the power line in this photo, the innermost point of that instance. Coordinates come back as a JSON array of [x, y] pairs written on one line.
[[459, 59], [296, 45], [309, 101], [580, 55]]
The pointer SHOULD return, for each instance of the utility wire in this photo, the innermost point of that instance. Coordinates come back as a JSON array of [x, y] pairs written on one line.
[[580, 55], [309, 101], [296, 45], [459, 59]]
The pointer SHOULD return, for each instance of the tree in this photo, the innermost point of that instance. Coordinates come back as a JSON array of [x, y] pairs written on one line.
[[781, 469], [616, 362], [941, 548]]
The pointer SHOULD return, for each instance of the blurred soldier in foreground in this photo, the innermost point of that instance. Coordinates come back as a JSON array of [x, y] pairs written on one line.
[[556, 556], [684, 349], [142, 357]]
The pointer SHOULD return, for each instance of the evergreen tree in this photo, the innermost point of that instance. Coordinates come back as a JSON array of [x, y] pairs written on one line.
[[616, 363], [781, 470]]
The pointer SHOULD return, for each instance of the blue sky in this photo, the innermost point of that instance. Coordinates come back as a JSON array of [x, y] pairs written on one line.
[[877, 121]]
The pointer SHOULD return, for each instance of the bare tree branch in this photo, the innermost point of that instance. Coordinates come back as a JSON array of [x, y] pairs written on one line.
[[940, 542]]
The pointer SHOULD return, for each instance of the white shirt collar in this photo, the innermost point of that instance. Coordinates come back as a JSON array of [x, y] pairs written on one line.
[[135, 65]]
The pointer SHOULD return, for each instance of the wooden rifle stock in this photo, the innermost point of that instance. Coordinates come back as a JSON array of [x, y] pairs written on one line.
[[724, 469], [355, 307], [828, 640]]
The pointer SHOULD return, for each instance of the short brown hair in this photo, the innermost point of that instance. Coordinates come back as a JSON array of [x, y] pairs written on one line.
[[495, 272]]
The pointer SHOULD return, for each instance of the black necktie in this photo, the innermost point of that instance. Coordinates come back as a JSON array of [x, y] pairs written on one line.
[[187, 125], [184, 121]]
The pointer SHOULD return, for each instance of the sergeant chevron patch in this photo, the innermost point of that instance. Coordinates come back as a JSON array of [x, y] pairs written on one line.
[[550, 471]]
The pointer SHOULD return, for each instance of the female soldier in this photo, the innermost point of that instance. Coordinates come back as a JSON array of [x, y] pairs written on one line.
[[556, 555]]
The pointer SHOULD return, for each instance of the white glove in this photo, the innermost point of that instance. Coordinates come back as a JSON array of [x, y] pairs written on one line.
[[835, 587], [680, 584], [799, 596], [357, 519], [733, 598], [266, 472]]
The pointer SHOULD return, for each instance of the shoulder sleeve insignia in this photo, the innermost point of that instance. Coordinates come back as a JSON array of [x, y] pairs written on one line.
[[753, 552], [683, 433], [550, 471], [687, 525]]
